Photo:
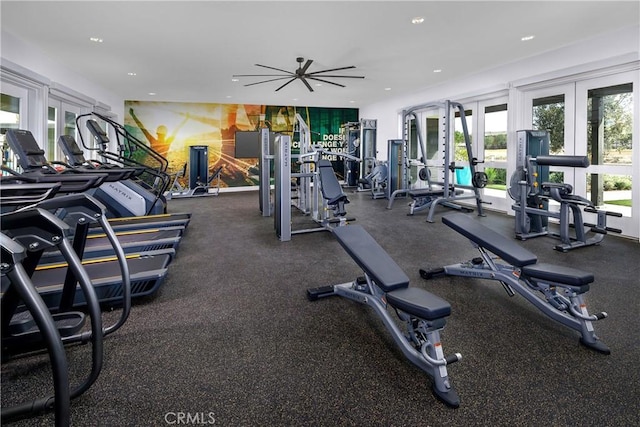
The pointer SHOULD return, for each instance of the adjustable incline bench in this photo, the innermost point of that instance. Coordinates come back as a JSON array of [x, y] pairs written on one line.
[[555, 290], [384, 283]]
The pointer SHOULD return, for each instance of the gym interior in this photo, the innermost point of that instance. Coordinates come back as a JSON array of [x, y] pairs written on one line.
[[370, 238]]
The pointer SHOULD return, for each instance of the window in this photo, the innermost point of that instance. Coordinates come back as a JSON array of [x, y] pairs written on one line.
[[609, 130], [548, 114], [9, 119], [495, 145]]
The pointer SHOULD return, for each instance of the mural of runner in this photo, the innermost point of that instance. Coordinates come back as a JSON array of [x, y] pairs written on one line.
[[170, 128]]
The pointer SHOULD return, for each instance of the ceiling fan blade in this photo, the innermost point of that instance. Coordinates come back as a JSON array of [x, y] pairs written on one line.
[[340, 77], [325, 81], [266, 81], [273, 68], [261, 75], [306, 66], [334, 69], [306, 84], [286, 83]]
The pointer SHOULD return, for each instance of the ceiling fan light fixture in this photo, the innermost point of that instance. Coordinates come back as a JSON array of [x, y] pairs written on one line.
[[302, 74]]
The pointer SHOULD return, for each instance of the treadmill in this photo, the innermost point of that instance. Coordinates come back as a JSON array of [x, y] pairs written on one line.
[[147, 270], [35, 165], [97, 244]]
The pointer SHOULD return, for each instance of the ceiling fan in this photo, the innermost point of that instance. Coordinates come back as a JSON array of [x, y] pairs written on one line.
[[301, 73]]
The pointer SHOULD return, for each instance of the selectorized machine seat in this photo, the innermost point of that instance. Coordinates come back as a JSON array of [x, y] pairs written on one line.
[[331, 189]]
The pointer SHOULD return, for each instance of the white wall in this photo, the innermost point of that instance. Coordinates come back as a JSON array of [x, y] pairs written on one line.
[[607, 50], [616, 46], [37, 61]]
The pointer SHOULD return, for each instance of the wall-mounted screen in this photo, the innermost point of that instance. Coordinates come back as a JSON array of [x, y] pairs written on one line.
[[248, 144]]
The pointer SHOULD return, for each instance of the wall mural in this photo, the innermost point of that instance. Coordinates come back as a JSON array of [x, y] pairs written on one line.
[[170, 128]]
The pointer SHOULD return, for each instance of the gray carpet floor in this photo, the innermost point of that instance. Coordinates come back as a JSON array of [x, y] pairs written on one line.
[[231, 338]]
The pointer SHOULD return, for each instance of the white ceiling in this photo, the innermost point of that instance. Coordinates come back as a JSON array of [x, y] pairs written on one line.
[[189, 50]]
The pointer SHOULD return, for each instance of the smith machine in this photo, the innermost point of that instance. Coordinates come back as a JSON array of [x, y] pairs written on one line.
[[445, 192]]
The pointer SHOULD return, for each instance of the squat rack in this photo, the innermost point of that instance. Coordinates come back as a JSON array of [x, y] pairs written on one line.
[[446, 195]]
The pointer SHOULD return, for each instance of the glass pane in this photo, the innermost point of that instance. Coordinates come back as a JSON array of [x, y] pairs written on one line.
[[433, 125], [9, 119], [51, 133], [613, 192], [548, 114], [610, 125], [459, 142], [496, 178], [70, 123], [495, 133]]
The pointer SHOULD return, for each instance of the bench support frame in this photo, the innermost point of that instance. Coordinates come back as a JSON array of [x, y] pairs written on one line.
[[421, 341], [560, 302]]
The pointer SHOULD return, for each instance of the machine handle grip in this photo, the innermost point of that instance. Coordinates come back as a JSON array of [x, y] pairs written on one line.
[[608, 213]]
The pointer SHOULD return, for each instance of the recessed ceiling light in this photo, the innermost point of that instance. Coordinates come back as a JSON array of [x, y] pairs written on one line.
[[152, 93], [352, 102], [228, 96], [96, 39], [437, 70], [318, 84], [295, 99], [417, 20], [235, 80], [527, 38], [131, 74], [387, 88]]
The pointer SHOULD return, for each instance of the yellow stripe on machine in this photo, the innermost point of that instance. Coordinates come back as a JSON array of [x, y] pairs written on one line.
[[85, 262], [125, 233]]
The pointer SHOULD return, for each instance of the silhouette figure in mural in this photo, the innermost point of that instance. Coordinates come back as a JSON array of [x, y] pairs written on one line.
[[161, 142]]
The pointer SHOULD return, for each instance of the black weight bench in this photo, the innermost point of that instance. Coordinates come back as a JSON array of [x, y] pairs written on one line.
[[426, 198], [516, 255], [555, 290], [423, 313]]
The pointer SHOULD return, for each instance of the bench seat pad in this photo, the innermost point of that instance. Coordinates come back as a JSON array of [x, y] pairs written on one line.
[[505, 248], [425, 192], [558, 274], [370, 256], [419, 303]]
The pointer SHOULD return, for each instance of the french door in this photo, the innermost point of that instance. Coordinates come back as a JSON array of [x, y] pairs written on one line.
[[13, 115], [594, 118], [61, 120]]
